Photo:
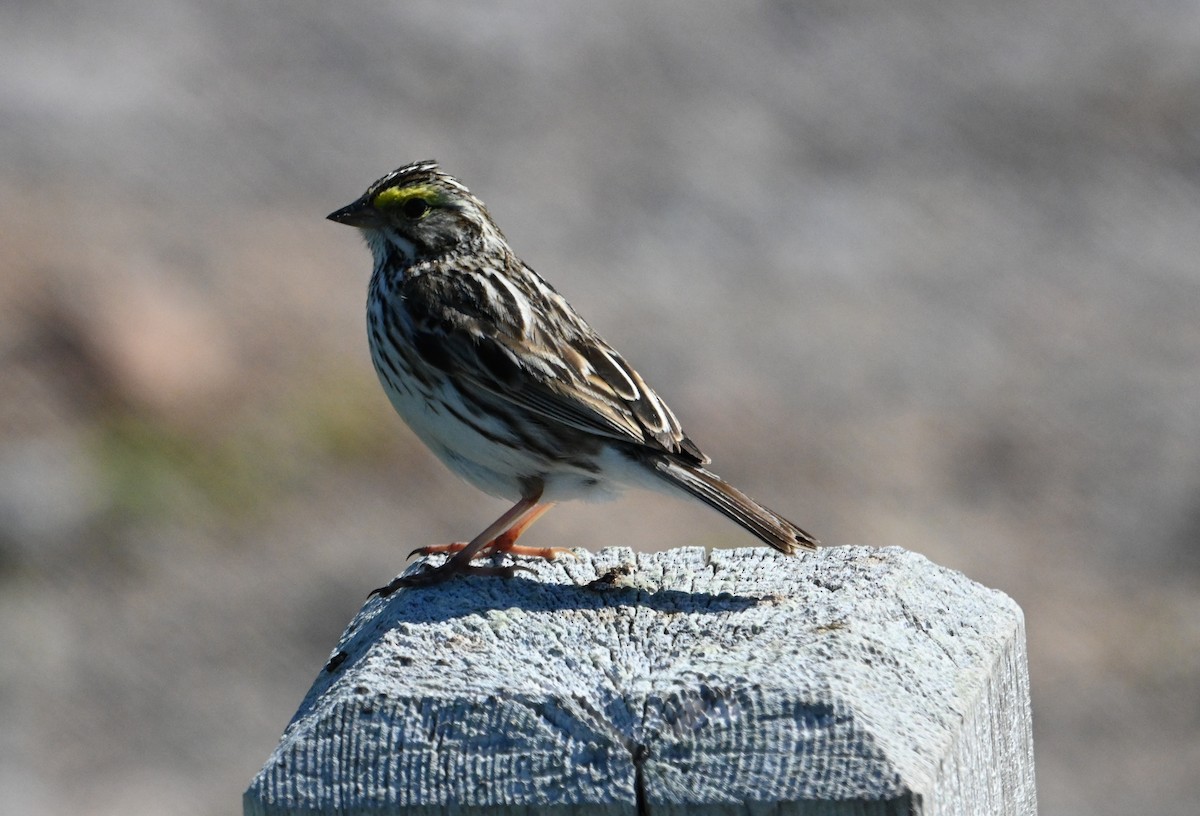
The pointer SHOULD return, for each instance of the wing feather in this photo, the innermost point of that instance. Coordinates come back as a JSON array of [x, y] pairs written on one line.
[[556, 366]]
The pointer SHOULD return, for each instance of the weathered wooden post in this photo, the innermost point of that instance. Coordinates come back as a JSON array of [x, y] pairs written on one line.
[[849, 681]]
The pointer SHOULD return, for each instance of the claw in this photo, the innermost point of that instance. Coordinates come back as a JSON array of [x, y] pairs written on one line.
[[437, 549]]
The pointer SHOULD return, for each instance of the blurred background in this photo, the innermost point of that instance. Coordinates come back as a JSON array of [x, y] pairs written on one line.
[[915, 273]]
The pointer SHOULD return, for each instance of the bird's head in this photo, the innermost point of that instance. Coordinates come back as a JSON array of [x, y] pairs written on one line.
[[420, 212]]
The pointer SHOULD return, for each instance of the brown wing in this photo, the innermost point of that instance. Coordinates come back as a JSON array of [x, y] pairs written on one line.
[[541, 357]]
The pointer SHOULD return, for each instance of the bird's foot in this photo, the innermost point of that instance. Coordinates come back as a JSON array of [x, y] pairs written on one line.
[[497, 547], [439, 549], [444, 572]]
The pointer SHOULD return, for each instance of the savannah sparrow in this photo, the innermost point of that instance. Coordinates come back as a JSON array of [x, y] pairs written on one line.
[[499, 376]]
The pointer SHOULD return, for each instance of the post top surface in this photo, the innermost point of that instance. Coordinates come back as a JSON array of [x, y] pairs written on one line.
[[841, 674]]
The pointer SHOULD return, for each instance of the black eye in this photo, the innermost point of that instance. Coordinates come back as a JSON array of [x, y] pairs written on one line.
[[415, 207]]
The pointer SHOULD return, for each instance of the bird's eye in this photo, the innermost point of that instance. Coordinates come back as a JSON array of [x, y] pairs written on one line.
[[415, 207]]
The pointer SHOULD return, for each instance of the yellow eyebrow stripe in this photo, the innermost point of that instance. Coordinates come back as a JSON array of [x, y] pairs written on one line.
[[397, 196]]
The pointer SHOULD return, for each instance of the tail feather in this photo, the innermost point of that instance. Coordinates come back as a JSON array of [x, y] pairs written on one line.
[[726, 499]]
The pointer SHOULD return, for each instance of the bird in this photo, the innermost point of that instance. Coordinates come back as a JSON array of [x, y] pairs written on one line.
[[508, 386]]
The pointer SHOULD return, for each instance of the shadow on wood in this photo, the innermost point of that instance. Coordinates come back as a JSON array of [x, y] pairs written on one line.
[[851, 680]]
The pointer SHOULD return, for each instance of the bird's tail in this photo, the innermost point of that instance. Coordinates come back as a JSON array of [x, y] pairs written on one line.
[[723, 497]]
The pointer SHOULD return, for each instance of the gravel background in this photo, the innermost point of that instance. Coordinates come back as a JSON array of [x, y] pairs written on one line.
[[917, 274]]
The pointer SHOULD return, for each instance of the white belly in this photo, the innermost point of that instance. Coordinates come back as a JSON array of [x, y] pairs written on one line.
[[501, 470]]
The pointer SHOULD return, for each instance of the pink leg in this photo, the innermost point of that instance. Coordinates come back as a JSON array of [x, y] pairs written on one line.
[[505, 542], [516, 516]]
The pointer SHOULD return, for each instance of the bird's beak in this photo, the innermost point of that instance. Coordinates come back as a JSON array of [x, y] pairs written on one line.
[[358, 214]]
